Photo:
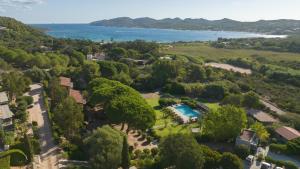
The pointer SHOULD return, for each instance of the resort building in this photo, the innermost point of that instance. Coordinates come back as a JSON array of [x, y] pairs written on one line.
[[5, 116], [286, 134], [3, 98], [261, 116], [247, 138]]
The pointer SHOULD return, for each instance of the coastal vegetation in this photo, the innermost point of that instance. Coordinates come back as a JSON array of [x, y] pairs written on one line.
[[120, 108]]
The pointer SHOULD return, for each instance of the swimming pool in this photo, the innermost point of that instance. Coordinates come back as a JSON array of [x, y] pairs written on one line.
[[187, 111]]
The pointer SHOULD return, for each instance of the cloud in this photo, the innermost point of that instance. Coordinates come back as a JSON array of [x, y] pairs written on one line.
[[19, 4]]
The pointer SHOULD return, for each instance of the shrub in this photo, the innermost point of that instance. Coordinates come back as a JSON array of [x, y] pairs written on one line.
[[154, 151], [282, 148], [34, 123], [286, 164], [166, 101], [260, 157], [242, 151]]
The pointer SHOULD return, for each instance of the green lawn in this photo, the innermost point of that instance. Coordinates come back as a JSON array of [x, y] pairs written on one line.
[[212, 106], [202, 50], [166, 126], [5, 162]]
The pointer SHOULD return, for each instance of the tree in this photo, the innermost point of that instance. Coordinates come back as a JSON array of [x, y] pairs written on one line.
[[163, 70], [56, 92], [122, 103], [182, 152], [251, 100], [37, 75], [212, 158], [231, 161], [15, 83], [125, 154], [68, 116], [104, 147], [132, 110], [233, 99], [261, 131], [214, 91], [196, 73], [224, 123], [117, 53]]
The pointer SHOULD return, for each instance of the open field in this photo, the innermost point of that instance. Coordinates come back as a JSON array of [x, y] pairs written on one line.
[[208, 53]]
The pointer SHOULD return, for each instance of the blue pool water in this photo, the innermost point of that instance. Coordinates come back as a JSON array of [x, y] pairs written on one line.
[[99, 33], [187, 111]]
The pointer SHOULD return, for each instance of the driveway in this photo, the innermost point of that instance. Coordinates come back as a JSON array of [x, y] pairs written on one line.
[[38, 113]]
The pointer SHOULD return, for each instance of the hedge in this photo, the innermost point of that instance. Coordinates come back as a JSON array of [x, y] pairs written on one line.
[[282, 148], [286, 164]]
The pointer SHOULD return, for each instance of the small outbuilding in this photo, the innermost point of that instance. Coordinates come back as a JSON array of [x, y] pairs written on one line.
[[247, 138]]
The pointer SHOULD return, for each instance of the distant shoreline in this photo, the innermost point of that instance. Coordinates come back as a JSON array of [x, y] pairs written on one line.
[[106, 33]]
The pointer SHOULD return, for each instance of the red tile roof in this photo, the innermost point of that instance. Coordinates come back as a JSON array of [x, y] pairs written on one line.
[[77, 96], [261, 116], [64, 81], [288, 133], [247, 135]]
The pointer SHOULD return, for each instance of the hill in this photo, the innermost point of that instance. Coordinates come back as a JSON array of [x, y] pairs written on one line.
[[276, 27], [16, 34]]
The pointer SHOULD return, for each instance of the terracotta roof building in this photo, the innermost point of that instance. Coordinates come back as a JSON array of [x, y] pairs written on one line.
[[247, 138], [261, 116], [77, 96], [287, 133], [66, 82]]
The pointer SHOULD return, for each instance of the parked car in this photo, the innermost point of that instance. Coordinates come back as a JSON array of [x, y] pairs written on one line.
[[265, 165], [279, 168], [250, 159]]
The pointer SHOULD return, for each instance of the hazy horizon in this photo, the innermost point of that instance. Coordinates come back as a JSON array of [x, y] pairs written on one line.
[[79, 11]]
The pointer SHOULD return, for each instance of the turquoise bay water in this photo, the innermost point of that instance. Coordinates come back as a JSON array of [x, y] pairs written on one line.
[[100, 33], [187, 111]]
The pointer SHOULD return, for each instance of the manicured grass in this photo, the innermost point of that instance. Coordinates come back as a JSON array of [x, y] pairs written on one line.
[[5, 162], [202, 50], [166, 126], [212, 106]]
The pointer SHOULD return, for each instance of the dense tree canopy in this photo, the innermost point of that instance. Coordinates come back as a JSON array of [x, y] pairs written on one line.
[[164, 70], [231, 161], [181, 152], [15, 83], [225, 123], [68, 116], [122, 103], [105, 147]]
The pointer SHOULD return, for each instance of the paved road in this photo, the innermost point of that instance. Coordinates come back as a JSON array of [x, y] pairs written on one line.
[[38, 113]]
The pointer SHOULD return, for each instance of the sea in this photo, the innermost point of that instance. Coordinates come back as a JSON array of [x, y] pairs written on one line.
[[106, 34]]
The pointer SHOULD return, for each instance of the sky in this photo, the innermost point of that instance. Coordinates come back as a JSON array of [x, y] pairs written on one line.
[[85, 11]]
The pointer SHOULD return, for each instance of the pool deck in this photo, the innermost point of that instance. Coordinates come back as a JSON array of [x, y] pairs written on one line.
[[184, 118]]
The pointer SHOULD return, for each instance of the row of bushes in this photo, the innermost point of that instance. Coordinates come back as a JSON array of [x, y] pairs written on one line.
[[291, 147], [286, 164]]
